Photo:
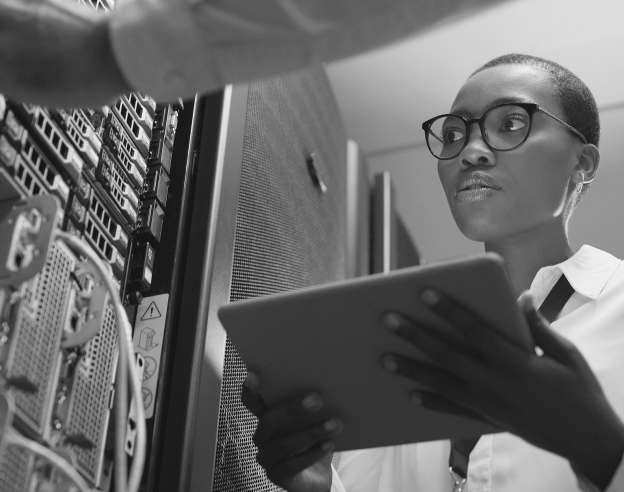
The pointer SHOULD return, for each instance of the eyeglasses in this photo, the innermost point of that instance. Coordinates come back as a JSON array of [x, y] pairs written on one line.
[[504, 127]]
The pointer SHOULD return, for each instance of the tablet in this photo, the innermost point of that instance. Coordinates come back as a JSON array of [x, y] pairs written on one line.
[[329, 339]]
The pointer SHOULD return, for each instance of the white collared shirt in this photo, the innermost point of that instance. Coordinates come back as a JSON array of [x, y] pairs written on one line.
[[593, 319], [176, 48]]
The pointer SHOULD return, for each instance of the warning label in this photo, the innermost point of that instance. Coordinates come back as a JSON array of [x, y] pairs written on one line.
[[148, 337], [151, 312]]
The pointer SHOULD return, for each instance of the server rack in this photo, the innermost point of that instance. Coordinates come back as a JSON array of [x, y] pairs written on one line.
[[121, 180], [180, 220]]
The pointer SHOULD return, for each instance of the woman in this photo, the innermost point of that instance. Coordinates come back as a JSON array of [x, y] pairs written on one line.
[[516, 155]]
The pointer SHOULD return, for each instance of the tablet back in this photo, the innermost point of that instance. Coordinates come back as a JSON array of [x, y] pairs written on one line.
[[329, 339]]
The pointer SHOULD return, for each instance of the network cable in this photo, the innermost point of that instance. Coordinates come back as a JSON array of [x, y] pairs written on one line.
[[16, 439], [126, 368]]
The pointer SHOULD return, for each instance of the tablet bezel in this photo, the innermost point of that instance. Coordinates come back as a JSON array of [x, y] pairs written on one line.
[[329, 339]]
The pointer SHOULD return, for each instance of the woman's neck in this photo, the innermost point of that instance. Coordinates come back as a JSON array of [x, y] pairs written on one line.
[[526, 253]]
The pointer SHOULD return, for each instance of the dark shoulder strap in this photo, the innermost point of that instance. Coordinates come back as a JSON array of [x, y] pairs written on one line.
[[550, 309]]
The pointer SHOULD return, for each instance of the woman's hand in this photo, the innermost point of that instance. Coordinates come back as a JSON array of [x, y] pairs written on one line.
[[552, 400], [293, 439]]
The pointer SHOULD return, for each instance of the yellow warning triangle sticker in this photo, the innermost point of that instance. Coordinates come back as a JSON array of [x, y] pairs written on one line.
[[151, 312]]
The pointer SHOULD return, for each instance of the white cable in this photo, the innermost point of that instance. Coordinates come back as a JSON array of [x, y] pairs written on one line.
[[17, 439], [126, 366]]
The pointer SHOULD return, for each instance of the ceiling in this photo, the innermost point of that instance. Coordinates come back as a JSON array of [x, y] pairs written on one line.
[[385, 95]]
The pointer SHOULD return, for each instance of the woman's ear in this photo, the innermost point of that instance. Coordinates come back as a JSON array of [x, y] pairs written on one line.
[[588, 160]]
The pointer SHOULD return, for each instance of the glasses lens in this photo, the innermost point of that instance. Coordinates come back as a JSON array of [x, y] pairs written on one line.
[[507, 126], [446, 136]]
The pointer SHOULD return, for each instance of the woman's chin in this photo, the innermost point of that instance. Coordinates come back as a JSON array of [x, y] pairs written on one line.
[[482, 231]]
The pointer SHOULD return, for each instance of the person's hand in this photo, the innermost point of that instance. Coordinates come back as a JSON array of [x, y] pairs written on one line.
[[293, 439], [551, 400], [57, 53]]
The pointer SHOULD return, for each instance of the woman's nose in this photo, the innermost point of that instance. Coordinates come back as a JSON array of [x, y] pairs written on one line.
[[476, 152]]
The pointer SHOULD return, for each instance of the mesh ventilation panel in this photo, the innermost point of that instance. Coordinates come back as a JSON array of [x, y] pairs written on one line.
[[91, 393], [15, 469], [289, 234], [36, 353]]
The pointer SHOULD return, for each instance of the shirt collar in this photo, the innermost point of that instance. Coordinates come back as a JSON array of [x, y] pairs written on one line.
[[588, 271]]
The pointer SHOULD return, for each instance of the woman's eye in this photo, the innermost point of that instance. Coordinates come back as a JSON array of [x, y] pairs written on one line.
[[452, 135], [513, 123]]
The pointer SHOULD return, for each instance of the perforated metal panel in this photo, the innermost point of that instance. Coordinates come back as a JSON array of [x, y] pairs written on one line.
[[289, 232], [91, 396], [15, 469], [35, 353]]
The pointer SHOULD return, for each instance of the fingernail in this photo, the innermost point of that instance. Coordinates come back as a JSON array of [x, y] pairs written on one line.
[[416, 398], [430, 297], [331, 425], [392, 321], [327, 446], [389, 363], [312, 402]]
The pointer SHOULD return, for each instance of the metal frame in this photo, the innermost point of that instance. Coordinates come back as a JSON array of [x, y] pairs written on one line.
[[358, 223], [384, 225], [190, 416], [218, 274]]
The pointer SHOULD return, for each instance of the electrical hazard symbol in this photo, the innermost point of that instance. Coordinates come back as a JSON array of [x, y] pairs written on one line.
[[151, 312], [149, 332]]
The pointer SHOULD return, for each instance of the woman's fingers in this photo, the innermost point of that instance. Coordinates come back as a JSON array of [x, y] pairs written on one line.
[[287, 471], [288, 417], [438, 403], [300, 442], [444, 348], [475, 330], [467, 342], [293, 438], [433, 377], [433, 341], [446, 392], [250, 394]]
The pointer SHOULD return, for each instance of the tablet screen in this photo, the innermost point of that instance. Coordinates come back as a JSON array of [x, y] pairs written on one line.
[[329, 339]]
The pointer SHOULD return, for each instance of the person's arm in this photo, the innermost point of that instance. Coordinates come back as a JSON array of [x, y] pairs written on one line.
[[62, 54], [57, 53], [552, 401]]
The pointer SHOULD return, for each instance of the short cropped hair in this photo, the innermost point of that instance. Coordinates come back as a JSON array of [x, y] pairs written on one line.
[[576, 100]]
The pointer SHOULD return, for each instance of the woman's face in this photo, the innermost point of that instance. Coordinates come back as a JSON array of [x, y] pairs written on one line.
[[526, 188]]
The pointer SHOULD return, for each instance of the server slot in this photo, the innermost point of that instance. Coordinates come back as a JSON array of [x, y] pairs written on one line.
[[140, 112], [132, 126]]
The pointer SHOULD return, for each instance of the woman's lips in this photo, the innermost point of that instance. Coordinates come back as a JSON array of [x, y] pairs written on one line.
[[475, 195], [476, 186]]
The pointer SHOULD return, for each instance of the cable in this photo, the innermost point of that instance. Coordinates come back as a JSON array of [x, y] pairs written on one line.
[[17, 439], [126, 367]]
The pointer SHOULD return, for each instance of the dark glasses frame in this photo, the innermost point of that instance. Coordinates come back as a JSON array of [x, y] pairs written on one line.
[[530, 108]]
